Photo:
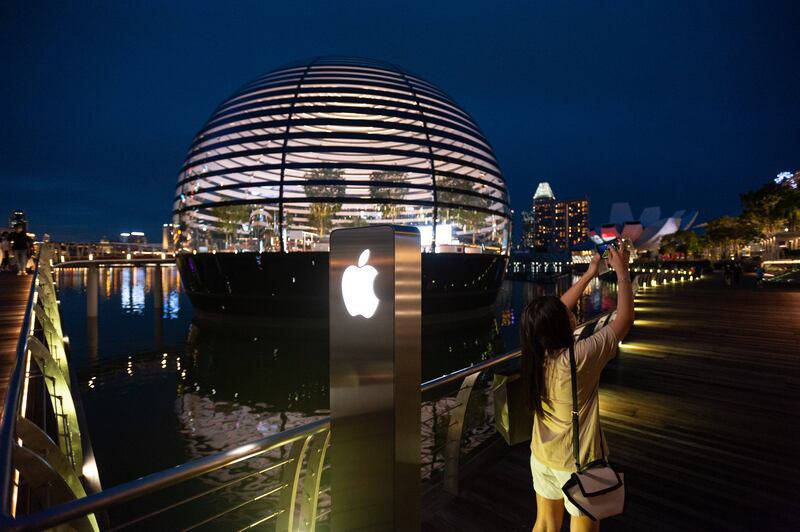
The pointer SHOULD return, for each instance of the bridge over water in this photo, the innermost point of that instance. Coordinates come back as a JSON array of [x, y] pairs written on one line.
[[698, 408]]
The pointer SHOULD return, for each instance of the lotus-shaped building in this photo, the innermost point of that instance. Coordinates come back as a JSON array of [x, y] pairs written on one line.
[[647, 230]]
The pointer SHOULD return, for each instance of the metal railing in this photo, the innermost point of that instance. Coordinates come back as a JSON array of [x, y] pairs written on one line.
[[41, 463], [298, 491], [309, 443], [13, 400]]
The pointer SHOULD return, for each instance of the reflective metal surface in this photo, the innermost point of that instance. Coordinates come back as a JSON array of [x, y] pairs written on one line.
[[375, 371]]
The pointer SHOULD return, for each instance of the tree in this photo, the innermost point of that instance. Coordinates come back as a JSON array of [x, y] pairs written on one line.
[[770, 209], [470, 219], [230, 219], [687, 243], [321, 213], [729, 232], [788, 207], [389, 194], [762, 209]]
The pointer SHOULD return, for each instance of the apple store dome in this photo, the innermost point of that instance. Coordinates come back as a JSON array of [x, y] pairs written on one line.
[[339, 142]]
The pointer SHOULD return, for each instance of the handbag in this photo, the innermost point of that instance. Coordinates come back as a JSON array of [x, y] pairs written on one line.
[[597, 489], [511, 418]]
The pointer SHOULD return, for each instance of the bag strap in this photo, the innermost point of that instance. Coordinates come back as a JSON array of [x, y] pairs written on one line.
[[576, 441]]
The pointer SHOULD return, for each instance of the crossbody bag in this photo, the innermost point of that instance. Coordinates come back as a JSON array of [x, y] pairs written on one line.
[[597, 489]]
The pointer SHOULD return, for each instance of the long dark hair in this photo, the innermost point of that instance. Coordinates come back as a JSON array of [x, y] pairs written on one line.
[[545, 327]]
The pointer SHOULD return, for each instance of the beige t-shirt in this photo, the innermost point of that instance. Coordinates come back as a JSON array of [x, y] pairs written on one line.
[[552, 431]]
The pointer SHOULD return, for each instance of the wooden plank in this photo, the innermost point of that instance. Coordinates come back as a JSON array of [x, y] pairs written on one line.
[[700, 410], [14, 292]]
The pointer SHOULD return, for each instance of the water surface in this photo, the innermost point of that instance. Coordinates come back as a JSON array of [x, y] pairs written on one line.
[[159, 388]]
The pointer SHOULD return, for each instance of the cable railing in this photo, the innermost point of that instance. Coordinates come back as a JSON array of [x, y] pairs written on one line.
[[281, 480], [43, 458]]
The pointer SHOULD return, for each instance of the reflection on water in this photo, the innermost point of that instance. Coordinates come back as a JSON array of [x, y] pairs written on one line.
[[130, 285], [133, 290], [173, 390]]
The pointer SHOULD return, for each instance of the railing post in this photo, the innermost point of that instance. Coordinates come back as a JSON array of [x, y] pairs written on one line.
[[290, 478], [311, 481], [455, 431]]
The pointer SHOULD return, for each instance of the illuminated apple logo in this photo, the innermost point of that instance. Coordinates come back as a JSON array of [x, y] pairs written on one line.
[[357, 287]]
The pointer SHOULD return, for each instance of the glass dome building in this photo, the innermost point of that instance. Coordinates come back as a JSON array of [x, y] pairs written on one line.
[[330, 143]]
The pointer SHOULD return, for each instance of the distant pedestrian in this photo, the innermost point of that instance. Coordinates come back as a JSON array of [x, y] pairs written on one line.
[[737, 273], [759, 276], [727, 274], [20, 244], [4, 251]]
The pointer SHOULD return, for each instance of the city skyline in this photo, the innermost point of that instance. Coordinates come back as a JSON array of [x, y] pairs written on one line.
[[698, 114]]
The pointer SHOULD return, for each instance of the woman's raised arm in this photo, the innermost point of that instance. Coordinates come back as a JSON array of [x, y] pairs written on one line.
[[570, 297], [624, 320]]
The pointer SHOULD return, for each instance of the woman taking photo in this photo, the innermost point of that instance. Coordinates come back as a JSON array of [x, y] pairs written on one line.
[[546, 334]]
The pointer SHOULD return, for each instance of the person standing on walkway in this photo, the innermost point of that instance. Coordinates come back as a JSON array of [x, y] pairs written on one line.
[[20, 244], [727, 274], [4, 250], [547, 333], [759, 275]]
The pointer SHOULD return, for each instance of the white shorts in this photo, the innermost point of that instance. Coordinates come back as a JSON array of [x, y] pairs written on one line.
[[547, 482]]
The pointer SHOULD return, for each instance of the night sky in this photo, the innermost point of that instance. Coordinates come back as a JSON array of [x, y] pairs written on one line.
[[678, 104]]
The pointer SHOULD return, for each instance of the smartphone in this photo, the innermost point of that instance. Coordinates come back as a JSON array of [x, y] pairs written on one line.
[[602, 248]]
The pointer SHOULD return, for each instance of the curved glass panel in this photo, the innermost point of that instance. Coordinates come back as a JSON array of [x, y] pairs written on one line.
[[339, 142]]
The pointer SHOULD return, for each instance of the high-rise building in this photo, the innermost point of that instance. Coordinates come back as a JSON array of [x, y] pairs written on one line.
[[577, 221], [553, 225]]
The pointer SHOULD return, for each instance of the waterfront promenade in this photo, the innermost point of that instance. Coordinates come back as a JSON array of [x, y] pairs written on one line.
[[14, 291], [700, 410]]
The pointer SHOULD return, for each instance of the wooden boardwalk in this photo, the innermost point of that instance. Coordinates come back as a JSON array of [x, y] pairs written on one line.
[[14, 292], [700, 410]]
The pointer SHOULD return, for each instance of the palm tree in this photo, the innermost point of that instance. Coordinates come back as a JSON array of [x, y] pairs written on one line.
[[320, 213], [389, 194], [230, 219], [466, 214]]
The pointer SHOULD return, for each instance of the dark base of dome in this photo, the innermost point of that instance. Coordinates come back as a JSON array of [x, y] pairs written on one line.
[[293, 287]]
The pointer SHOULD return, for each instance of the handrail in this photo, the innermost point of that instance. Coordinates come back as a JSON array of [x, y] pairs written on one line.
[[123, 492], [11, 406], [486, 364]]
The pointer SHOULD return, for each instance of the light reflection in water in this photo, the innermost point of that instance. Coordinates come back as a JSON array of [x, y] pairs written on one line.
[[133, 286], [172, 305]]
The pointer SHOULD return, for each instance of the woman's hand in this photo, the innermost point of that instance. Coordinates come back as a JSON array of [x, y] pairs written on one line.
[[618, 259], [594, 266]]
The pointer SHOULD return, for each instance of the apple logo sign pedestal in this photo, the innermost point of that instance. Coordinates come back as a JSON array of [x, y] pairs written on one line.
[[375, 374]]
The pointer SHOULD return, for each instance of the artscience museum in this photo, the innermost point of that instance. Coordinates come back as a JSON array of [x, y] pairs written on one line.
[[331, 143]]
